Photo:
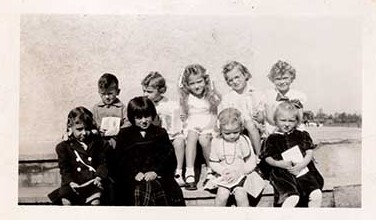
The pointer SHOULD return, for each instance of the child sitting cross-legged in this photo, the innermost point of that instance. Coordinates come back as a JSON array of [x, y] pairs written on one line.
[[232, 157]]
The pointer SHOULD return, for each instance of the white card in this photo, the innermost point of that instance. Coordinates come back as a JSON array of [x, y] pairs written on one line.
[[293, 154], [110, 126]]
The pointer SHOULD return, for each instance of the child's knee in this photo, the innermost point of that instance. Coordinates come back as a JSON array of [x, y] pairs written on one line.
[[178, 143], [240, 194], [222, 196], [315, 195], [291, 201], [65, 201]]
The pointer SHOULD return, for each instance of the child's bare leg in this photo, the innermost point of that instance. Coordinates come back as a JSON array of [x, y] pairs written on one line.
[[190, 156], [205, 141], [222, 196], [291, 201], [94, 199], [254, 136], [315, 198], [241, 197], [95, 202], [191, 148], [65, 201], [178, 144]]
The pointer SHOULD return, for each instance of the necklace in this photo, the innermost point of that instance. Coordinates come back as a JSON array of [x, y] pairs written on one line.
[[228, 162]]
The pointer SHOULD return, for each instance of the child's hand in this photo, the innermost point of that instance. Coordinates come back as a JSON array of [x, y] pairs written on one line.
[[97, 182], [296, 169], [149, 176], [73, 185], [231, 175], [285, 164], [140, 176]]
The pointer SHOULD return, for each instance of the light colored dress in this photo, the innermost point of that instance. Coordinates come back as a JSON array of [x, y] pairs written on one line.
[[169, 114], [248, 103], [232, 156], [199, 117]]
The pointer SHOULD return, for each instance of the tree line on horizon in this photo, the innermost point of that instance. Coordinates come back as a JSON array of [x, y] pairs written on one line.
[[336, 119]]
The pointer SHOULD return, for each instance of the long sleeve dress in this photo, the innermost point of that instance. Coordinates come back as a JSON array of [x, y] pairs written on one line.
[[153, 152]]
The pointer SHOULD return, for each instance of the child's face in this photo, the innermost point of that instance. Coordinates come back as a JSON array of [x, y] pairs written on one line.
[[230, 132], [143, 122], [282, 82], [196, 84], [286, 121], [152, 93], [236, 80], [108, 96], [80, 131]]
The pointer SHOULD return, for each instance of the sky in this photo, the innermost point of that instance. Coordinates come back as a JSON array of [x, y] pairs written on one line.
[[45, 74]]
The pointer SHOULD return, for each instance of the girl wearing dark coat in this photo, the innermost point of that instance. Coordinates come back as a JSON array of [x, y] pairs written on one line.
[[145, 161], [82, 161]]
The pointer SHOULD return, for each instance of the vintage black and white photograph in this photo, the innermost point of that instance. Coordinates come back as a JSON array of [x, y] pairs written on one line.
[[187, 109], [180, 110]]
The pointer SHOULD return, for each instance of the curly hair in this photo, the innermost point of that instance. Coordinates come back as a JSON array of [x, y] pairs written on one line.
[[235, 64], [209, 93], [155, 80], [281, 68]]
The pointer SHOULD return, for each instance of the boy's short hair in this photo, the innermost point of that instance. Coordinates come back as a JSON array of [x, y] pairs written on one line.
[[280, 68], [155, 80], [230, 116], [139, 107], [235, 64], [287, 106], [108, 81]]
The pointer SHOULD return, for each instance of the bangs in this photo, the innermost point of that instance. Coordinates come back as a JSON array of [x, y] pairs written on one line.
[[140, 107]]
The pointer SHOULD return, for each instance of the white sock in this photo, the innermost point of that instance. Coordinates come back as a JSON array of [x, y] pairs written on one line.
[[291, 201], [178, 172], [189, 171], [315, 198]]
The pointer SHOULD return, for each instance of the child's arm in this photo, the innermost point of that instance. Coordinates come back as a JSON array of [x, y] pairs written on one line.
[[166, 161], [214, 161], [250, 163], [296, 168], [64, 163], [254, 135], [278, 163], [102, 168]]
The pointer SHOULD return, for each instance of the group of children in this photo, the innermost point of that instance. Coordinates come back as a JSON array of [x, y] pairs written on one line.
[[136, 153]]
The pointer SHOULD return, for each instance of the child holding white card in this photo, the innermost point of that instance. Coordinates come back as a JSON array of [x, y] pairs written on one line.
[[289, 152], [110, 113]]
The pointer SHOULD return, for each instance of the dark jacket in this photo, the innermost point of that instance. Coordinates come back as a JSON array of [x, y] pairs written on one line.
[[134, 154]]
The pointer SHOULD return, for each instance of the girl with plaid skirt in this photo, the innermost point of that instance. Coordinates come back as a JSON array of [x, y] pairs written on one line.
[[145, 161]]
